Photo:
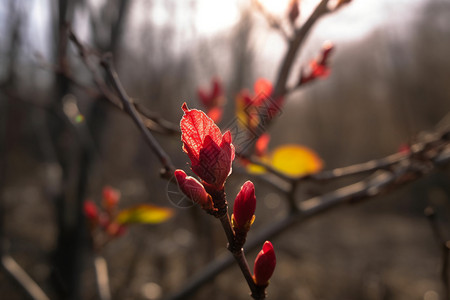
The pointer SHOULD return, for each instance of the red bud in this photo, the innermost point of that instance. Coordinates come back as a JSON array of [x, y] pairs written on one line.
[[116, 230], [90, 210], [211, 153], [244, 206], [110, 197], [264, 264], [192, 188]]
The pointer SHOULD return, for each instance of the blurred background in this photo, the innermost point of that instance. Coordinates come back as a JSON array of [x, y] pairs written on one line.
[[61, 142]]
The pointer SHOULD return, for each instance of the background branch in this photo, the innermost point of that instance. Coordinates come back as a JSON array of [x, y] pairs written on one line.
[[28, 285], [165, 160], [101, 273]]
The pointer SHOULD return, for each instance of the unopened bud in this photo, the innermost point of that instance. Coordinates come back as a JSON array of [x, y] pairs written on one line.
[[264, 264], [244, 207], [90, 210], [110, 197], [192, 188]]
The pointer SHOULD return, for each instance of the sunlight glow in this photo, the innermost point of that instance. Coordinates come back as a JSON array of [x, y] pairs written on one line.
[[213, 16], [275, 6]]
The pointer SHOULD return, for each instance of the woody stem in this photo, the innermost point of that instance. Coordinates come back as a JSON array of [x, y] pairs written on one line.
[[220, 202]]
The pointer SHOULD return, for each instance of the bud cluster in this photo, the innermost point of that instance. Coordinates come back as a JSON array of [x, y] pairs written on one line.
[[202, 140], [104, 218]]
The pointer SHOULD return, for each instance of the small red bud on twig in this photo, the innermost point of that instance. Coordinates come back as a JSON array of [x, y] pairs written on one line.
[[318, 67], [110, 198], [90, 210], [192, 188], [264, 264], [244, 207]]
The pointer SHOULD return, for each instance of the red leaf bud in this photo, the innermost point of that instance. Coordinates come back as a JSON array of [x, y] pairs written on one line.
[[110, 197], [192, 188], [264, 264], [244, 206], [210, 152], [90, 210]]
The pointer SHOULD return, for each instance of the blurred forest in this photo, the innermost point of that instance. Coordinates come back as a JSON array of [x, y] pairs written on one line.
[[387, 86]]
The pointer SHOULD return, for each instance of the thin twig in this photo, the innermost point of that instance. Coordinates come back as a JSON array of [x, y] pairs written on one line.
[[294, 45], [165, 160], [435, 141], [101, 274], [271, 20], [152, 120], [235, 246], [12, 268], [280, 86]]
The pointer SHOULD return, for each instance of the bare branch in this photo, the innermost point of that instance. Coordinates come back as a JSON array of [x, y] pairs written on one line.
[[300, 35], [169, 168], [271, 20], [152, 120]]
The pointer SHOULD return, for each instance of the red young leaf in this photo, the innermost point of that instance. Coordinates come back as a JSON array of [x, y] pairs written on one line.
[[195, 126], [211, 153]]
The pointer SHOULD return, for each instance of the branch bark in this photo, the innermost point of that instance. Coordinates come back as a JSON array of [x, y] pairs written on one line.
[[165, 160]]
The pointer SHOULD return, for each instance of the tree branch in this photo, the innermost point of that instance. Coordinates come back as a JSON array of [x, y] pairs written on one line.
[[169, 168], [294, 45], [152, 120]]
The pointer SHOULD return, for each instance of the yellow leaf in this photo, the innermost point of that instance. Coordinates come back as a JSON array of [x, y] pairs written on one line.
[[295, 160], [144, 214]]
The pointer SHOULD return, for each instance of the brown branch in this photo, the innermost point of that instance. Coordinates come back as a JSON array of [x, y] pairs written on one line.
[[280, 86], [234, 245], [294, 45], [152, 120], [169, 168], [273, 22], [436, 142]]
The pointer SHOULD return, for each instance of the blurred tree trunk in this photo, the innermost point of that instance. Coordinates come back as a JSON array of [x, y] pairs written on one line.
[[75, 155]]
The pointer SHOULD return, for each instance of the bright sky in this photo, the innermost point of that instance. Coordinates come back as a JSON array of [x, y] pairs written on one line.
[[196, 18]]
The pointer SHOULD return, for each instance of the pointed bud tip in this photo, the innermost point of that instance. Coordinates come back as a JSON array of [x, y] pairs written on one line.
[[245, 206], [184, 107], [179, 175]]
